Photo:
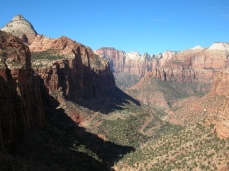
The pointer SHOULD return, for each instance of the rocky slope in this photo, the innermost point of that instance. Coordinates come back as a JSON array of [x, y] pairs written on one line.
[[163, 94], [21, 28], [21, 104], [213, 107], [193, 148]]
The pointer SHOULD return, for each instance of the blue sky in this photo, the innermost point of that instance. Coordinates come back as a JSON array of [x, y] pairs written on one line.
[[130, 25]]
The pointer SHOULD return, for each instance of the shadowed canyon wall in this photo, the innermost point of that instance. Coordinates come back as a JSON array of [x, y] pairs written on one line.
[[70, 68], [62, 69], [21, 107]]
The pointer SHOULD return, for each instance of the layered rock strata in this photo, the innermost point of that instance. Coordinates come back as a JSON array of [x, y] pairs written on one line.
[[70, 68], [192, 65], [131, 63], [21, 106], [196, 65]]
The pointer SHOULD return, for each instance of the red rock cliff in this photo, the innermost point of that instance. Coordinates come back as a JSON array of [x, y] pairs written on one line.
[[72, 70], [220, 87], [21, 106], [131, 63], [196, 65]]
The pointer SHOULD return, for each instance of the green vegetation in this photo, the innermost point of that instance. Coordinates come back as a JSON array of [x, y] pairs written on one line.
[[47, 54], [187, 149], [3, 54], [125, 131], [170, 92], [132, 126]]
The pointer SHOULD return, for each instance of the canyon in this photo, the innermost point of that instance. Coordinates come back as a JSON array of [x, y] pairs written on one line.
[[107, 102], [72, 72], [191, 65]]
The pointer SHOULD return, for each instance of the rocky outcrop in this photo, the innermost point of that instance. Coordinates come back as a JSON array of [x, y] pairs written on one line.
[[21, 106], [21, 28], [70, 68]]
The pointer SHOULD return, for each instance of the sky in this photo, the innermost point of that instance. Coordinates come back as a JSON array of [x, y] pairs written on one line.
[[131, 25]]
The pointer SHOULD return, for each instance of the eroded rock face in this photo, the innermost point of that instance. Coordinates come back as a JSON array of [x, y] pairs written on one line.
[[21, 28], [21, 107], [196, 65], [220, 88], [131, 63], [73, 70], [192, 65]]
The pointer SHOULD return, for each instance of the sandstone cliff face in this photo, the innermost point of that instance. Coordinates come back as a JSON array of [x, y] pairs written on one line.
[[193, 65], [194, 68], [72, 70], [21, 28], [196, 65], [21, 107], [220, 88], [131, 63]]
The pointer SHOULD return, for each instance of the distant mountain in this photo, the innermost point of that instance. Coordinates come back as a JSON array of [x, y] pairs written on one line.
[[131, 66], [197, 47], [22, 28], [127, 62]]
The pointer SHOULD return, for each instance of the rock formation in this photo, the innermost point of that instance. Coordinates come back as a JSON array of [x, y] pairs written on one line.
[[220, 88], [21, 28], [70, 68], [196, 65], [131, 63], [192, 65], [59, 70], [21, 106], [194, 68]]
